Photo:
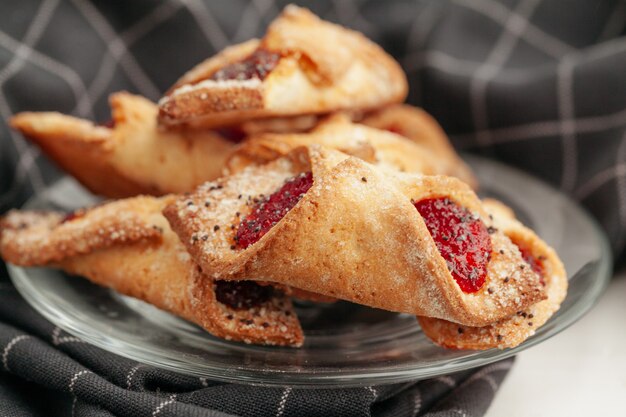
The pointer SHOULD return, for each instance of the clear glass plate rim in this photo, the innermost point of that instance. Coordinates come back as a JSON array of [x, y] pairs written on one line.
[[335, 377]]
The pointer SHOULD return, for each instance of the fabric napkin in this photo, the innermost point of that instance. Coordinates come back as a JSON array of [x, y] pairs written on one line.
[[537, 84]]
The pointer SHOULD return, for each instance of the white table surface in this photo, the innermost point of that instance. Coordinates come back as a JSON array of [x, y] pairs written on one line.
[[579, 372]]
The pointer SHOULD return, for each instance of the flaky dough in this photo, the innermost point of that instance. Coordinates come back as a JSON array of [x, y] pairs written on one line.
[[140, 256], [511, 331], [355, 235], [322, 68]]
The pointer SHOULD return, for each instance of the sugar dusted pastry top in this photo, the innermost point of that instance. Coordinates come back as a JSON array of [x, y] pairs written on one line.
[[510, 331], [365, 221], [128, 246], [302, 65], [27, 239]]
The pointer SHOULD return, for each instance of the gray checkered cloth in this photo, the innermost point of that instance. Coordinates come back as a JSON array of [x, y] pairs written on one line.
[[538, 84]]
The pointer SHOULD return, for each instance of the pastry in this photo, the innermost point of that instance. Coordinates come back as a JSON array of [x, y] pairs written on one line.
[[303, 65], [383, 148], [128, 246], [419, 126], [511, 331], [131, 156], [325, 222]]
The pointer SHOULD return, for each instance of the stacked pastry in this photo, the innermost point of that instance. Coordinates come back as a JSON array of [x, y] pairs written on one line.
[[288, 167]]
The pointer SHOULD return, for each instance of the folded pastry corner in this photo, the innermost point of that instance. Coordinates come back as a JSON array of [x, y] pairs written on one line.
[[511, 331], [303, 65], [129, 156], [420, 127], [138, 255], [324, 222]]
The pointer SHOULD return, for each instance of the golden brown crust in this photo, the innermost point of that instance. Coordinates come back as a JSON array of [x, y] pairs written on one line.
[[134, 156], [80, 148], [383, 148], [156, 270], [295, 124], [322, 68], [513, 330], [419, 126], [30, 238], [350, 238], [209, 66]]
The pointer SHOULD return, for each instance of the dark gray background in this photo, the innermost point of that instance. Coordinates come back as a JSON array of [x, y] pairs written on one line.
[[538, 84]]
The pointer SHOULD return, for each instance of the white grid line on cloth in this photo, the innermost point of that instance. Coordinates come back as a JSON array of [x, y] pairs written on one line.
[[73, 411], [143, 26], [620, 184], [615, 23], [207, 24], [266, 7], [33, 33], [249, 24], [567, 115], [50, 65], [459, 412], [373, 391], [74, 378], [462, 67], [534, 35], [150, 21], [349, 14], [26, 166], [417, 401], [100, 82], [56, 340], [600, 51], [421, 27], [115, 44], [129, 376], [164, 404], [283, 401], [542, 129], [8, 347], [204, 381], [598, 180], [516, 23]]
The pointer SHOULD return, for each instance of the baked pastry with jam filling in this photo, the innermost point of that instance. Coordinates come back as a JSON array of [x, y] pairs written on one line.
[[325, 222], [511, 331], [129, 247], [303, 65], [131, 155]]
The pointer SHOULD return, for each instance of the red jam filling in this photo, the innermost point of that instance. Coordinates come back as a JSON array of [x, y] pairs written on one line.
[[395, 129], [73, 215], [536, 264], [462, 239], [258, 65], [270, 211], [242, 295], [233, 134], [109, 124]]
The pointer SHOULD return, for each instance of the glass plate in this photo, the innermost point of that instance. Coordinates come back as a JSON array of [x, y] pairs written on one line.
[[346, 345]]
